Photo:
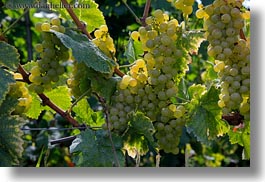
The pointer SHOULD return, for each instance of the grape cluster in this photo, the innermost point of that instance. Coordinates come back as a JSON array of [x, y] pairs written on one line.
[[19, 91], [52, 54], [104, 41], [152, 82], [224, 21], [184, 5]]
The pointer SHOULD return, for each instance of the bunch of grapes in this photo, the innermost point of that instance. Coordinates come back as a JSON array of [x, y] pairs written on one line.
[[224, 21], [104, 42], [184, 5], [19, 91], [52, 56], [152, 82]]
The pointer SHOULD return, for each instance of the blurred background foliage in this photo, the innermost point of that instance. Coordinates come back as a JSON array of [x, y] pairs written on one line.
[[38, 150]]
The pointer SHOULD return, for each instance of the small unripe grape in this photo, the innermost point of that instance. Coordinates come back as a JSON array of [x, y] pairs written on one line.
[[200, 13], [55, 21], [38, 26], [135, 35], [39, 47], [104, 28], [45, 27]]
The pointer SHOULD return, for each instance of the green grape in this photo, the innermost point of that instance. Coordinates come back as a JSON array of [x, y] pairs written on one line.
[[55, 21], [135, 35], [39, 47], [226, 18], [45, 27]]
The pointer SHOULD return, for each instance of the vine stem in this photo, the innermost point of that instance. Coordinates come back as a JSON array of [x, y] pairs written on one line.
[[146, 12], [15, 22], [105, 108], [82, 27], [132, 12], [77, 100], [28, 35], [242, 35], [46, 100]]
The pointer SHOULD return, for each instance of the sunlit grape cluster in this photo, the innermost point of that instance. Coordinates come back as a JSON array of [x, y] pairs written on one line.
[[224, 23], [52, 55], [104, 41], [152, 82], [183, 5], [19, 91]]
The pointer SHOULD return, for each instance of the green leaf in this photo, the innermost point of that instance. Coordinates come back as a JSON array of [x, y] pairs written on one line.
[[191, 40], [19, 4], [35, 108], [130, 51], [94, 149], [205, 118], [60, 96], [6, 79], [139, 135], [235, 137], [105, 87], [86, 115], [183, 91], [196, 91], [11, 143], [87, 11], [86, 51], [242, 137], [9, 56]]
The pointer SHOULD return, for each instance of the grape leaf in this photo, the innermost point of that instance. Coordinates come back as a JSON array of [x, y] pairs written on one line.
[[183, 91], [205, 118], [93, 149], [9, 56], [86, 115], [6, 79], [105, 87], [86, 10], [130, 52], [35, 108], [11, 143], [18, 4], [86, 51], [191, 40], [60, 96], [242, 137], [139, 135]]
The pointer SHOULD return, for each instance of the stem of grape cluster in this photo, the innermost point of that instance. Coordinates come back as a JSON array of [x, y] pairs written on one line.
[[146, 11]]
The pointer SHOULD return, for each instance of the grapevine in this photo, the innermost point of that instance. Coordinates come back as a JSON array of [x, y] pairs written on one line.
[[175, 82]]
